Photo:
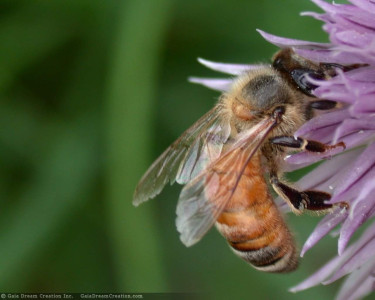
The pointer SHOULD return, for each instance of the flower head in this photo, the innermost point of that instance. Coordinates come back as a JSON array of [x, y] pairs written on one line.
[[349, 176]]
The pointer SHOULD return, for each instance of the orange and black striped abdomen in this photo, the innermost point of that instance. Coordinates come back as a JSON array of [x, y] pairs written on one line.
[[254, 227]]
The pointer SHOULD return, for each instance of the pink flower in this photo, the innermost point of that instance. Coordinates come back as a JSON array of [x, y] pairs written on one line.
[[350, 176]]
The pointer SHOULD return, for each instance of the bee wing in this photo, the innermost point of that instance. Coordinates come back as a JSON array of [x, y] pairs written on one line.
[[186, 157], [204, 198]]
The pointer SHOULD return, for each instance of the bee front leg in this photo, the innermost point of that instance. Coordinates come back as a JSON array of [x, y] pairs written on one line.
[[302, 144], [323, 104], [299, 201]]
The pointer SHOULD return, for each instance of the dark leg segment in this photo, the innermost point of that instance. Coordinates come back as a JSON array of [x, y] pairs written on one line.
[[302, 144], [323, 104], [311, 200]]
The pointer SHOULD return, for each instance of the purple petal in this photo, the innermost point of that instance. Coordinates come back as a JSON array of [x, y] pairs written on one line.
[[353, 284], [353, 125], [324, 177], [363, 55], [365, 287], [361, 17], [356, 191], [331, 8], [321, 17], [357, 138], [336, 92], [349, 11], [341, 22], [360, 212], [221, 85], [366, 105], [233, 69], [356, 260], [333, 55], [358, 89], [318, 276], [323, 121], [351, 194], [353, 38], [286, 43], [364, 162], [324, 135], [329, 268], [365, 5], [323, 228], [365, 74]]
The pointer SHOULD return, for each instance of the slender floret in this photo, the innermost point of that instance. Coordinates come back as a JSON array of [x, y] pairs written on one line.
[[350, 175]]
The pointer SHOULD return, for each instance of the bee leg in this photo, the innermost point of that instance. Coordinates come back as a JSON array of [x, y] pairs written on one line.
[[302, 144], [299, 201], [323, 104]]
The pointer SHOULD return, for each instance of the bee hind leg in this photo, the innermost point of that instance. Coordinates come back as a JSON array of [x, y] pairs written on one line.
[[303, 144], [299, 201]]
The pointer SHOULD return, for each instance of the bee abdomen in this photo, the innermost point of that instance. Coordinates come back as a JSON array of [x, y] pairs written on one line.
[[264, 241], [269, 259]]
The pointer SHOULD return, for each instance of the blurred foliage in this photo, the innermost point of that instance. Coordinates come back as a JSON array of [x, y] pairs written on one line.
[[91, 92]]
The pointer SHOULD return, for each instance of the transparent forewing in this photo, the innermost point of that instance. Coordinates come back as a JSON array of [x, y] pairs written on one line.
[[187, 156], [204, 150], [204, 198]]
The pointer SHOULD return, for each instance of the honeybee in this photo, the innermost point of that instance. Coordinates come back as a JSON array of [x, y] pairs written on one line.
[[224, 157]]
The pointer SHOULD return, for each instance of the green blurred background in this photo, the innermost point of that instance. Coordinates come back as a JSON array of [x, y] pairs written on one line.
[[91, 92]]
